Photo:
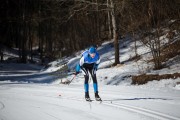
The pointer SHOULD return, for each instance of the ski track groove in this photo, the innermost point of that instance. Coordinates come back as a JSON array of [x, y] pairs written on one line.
[[143, 111], [2, 106], [52, 116]]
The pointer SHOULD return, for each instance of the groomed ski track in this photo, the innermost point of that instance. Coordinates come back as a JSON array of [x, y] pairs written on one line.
[[61, 102]]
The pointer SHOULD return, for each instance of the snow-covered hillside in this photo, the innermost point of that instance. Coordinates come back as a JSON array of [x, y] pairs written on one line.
[[28, 92]]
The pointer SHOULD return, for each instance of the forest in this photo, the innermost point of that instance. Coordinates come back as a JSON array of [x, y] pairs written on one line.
[[53, 29]]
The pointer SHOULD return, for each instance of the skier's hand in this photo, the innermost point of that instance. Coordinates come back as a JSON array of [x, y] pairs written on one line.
[[76, 73], [95, 67]]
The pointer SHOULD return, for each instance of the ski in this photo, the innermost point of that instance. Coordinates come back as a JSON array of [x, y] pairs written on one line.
[[89, 100], [99, 101]]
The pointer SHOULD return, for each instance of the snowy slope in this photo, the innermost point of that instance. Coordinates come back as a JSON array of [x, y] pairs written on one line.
[[28, 93]]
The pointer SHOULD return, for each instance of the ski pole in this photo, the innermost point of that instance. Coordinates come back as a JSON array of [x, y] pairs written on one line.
[[72, 79]]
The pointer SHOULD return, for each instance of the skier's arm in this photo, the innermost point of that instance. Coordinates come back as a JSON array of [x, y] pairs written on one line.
[[97, 64], [77, 69], [81, 62], [78, 66], [98, 61]]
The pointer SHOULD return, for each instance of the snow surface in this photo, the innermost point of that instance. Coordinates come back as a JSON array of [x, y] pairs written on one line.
[[29, 93], [62, 102]]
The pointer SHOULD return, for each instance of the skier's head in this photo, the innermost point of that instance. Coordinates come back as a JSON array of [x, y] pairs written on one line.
[[92, 52]]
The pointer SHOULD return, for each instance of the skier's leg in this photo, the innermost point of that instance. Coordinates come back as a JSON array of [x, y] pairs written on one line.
[[95, 84], [86, 84], [93, 75]]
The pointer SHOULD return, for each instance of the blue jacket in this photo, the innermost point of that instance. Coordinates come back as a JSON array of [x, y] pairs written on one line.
[[86, 58]]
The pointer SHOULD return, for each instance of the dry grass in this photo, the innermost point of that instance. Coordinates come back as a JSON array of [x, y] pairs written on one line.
[[142, 79], [170, 51]]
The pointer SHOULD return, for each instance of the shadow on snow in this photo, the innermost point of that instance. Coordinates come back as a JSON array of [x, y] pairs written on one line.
[[148, 98]]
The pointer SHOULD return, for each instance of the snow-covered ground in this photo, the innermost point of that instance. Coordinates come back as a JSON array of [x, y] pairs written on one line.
[[62, 102], [28, 93]]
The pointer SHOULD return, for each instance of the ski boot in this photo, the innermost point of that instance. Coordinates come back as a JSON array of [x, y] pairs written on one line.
[[97, 97], [87, 97]]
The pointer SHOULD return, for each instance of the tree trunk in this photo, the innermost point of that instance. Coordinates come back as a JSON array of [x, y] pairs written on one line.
[[1, 53], [115, 34], [97, 18], [109, 22], [135, 44]]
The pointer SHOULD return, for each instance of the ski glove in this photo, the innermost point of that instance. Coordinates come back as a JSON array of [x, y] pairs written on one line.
[[76, 73], [96, 66]]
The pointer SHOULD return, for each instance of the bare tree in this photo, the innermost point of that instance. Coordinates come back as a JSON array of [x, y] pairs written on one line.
[[115, 34], [109, 22], [108, 6]]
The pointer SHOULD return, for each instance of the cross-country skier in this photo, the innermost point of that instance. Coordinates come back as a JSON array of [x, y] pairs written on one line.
[[88, 64]]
